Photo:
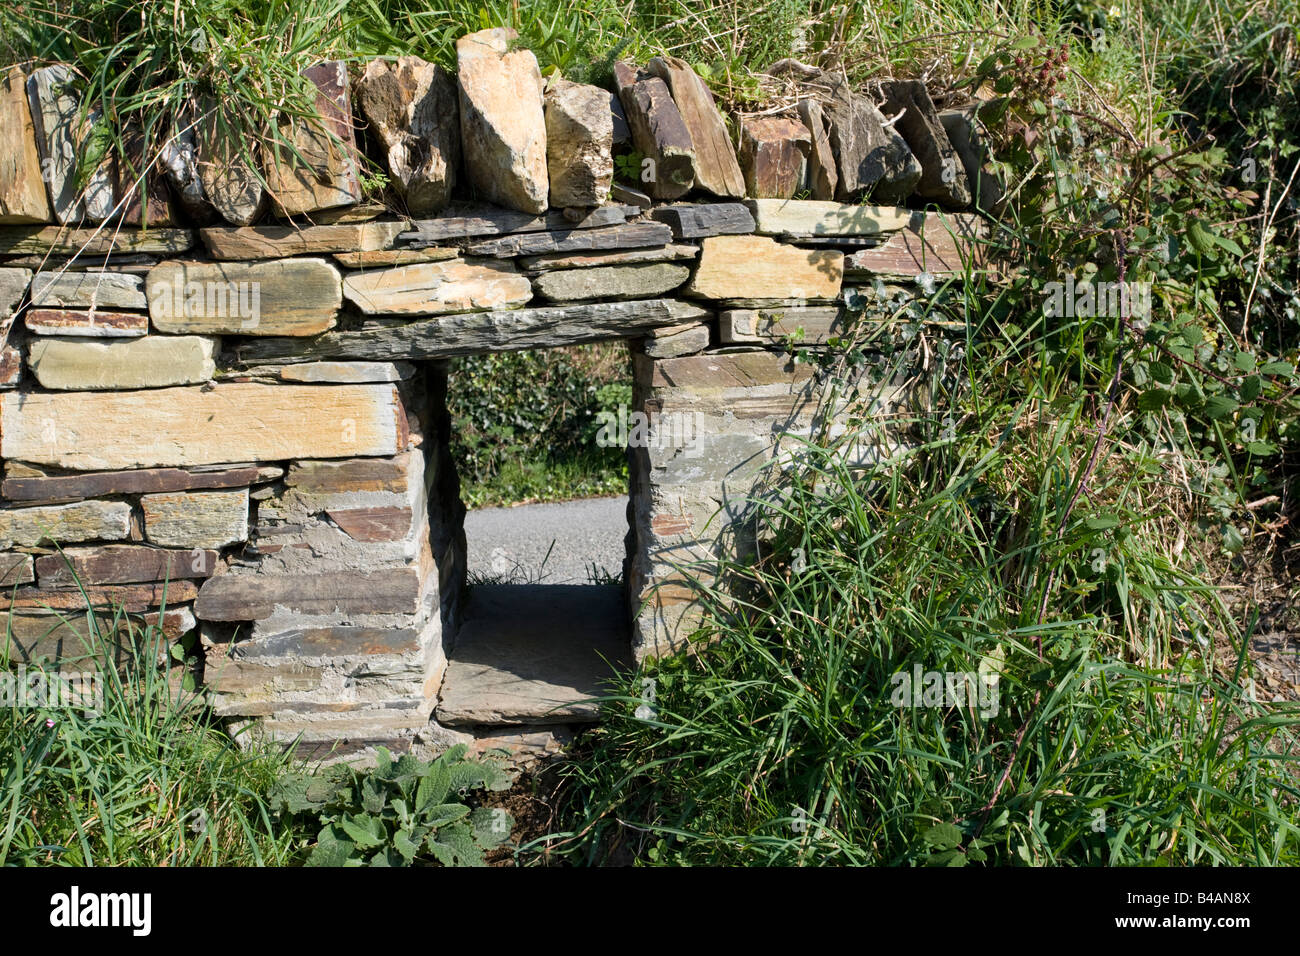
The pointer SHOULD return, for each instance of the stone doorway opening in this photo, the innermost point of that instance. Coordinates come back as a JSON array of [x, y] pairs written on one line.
[[536, 621]]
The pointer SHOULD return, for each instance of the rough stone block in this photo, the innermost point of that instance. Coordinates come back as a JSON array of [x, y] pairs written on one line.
[[502, 121], [579, 143], [412, 107], [183, 427], [326, 175], [758, 267], [155, 361], [22, 190], [196, 519], [283, 297]]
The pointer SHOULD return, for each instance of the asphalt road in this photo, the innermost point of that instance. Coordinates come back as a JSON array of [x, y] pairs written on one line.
[[509, 545]]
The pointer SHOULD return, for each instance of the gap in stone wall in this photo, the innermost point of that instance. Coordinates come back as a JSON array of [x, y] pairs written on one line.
[[526, 646]]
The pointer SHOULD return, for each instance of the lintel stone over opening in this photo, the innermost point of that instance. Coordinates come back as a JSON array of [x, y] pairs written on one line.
[[239, 430]]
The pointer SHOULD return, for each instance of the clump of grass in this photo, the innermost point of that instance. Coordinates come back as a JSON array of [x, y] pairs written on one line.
[[786, 739], [145, 779]]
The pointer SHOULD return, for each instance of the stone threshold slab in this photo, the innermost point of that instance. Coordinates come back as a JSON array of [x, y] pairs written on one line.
[[534, 654]]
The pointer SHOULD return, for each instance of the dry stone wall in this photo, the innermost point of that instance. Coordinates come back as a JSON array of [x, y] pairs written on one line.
[[235, 425]]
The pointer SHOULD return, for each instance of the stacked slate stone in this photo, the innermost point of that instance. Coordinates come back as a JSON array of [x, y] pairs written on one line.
[[246, 424]]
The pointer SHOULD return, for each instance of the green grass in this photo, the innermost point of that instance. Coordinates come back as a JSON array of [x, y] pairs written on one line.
[[145, 780], [1117, 737]]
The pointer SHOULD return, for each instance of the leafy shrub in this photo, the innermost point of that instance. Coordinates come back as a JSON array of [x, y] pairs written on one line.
[[524, 424], [401, 813]]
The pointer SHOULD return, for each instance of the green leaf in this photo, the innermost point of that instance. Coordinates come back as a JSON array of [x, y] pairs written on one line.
[[444, 814], [404, 845], [1219, 406], [365, 831], [491, 825], [1233, 542], [373, 796], [1102, 522], [1200, 237], [1153, 399], [944, 836], [330, 851], [1278, 368], [1251, 386], [455, 846]]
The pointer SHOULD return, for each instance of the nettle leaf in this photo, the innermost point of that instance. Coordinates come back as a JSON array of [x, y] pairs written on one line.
[[1251, 387], [492, 825], [944, 836], [455, 846], [332, 851], [366, 831], [447, 813], [1278, 368]]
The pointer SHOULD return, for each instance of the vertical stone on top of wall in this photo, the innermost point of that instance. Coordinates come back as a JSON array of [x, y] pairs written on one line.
[[502, 123], [413, 108], [226, 169], [22, 190], [325, 176], [61, 137], [579, 143]]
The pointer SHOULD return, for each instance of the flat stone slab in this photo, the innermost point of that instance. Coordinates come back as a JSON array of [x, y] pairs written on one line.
[[93, 290], [635, 281], [479, 332], [282, 297], [89, 324], [810, 217], [277, 242], [432, 288], [534, 654], [59, 241], [201, 425], [468, 221]]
